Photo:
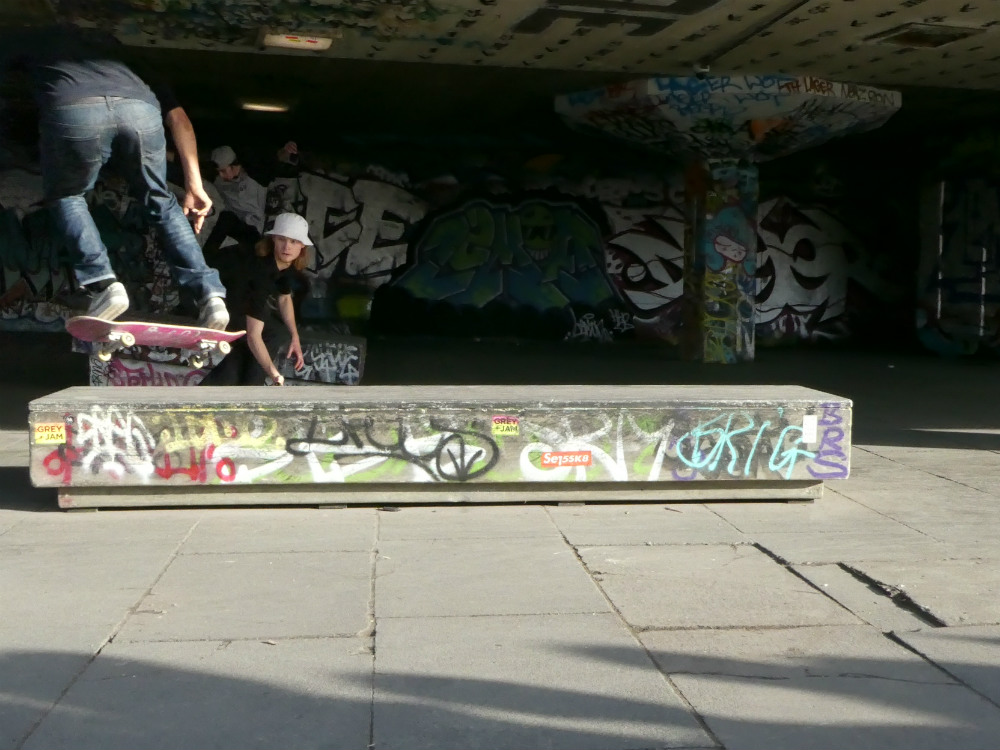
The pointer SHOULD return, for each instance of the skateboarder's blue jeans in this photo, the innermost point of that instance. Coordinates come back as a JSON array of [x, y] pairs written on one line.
[[76, 141]]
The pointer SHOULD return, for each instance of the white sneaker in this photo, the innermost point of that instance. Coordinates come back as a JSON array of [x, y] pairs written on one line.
[[214, 314], [110, 303]]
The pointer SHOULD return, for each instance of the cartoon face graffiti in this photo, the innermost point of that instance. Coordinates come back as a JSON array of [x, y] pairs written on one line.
[[730, 249], [730, 235], [646, 264], [804, 260]]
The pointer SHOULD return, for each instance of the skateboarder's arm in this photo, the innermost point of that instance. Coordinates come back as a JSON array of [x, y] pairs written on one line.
[[287, 310], [196, 204], [255, 340]]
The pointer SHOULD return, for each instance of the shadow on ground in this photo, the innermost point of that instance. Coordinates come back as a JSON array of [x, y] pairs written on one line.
[[18, 494], [118, 701]]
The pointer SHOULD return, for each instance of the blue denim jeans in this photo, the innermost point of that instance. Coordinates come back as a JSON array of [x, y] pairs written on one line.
[[76, 141]]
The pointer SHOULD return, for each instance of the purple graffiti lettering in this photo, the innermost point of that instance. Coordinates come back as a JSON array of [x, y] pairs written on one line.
[[831, 455]]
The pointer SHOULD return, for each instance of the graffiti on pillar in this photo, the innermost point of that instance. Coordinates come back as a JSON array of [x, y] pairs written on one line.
[[959, 300], [723, 257], [644, 18], [756, 117], [134, 445]]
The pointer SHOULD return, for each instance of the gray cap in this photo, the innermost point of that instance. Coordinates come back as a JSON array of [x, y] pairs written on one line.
[[292, 226], [223, 156]]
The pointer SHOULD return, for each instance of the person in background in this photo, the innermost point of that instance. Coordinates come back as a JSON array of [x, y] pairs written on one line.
[[245, 211], [92, 108], [260, 301]]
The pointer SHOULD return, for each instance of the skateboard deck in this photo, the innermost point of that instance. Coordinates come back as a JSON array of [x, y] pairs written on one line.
[[112, 335]]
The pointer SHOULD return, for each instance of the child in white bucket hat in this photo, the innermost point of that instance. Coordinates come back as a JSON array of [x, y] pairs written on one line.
[[260, 292]]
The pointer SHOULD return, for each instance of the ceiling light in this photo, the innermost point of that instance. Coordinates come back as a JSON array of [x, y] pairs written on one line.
[[298, 41], [264, 107]]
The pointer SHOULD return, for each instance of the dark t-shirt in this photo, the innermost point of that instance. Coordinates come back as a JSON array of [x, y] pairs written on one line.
[[67, 64], [252, 288]]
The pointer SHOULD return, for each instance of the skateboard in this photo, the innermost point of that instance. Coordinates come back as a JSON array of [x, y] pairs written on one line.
[[112, 335]]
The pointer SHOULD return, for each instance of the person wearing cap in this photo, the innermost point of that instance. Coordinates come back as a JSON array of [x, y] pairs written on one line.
[[244, 215], [260, 301], [93, 107]]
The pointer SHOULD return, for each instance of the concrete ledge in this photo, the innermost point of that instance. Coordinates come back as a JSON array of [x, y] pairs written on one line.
[[141, 446]]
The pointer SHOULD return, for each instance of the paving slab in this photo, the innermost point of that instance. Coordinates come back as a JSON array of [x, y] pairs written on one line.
[[463, 522], [256, 596], [14, 446], [511, 683], [971, 654], [833, 512], [313, 693], [74, 592], [423, 578], [825, 687], [817, 547], [955, 504], [283, 530], [868, 602], [979, 469], [715, 586], [957, 592], [595, 525]]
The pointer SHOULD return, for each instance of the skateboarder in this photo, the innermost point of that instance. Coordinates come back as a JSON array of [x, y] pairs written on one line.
[[92, 107], [260, 301]]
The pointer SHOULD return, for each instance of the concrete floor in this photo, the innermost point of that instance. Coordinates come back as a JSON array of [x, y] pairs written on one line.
[[868, 619]]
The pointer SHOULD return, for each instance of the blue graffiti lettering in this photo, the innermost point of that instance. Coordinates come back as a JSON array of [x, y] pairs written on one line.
[[783, 458]]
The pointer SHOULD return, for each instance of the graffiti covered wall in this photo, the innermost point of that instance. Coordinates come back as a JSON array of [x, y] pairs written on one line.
[[959, 296], [552, 249], [680, 440]]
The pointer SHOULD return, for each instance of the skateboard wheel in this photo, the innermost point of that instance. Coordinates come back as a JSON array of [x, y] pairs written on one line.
[[104, 355], [225, 347], [197, 362], [128, 339]]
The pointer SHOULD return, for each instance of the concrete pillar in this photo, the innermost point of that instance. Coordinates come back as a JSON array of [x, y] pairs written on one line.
[[720, 253], [725, 125]]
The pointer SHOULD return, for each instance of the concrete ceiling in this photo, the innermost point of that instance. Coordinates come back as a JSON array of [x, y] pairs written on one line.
[[840, 39], [484, 60]]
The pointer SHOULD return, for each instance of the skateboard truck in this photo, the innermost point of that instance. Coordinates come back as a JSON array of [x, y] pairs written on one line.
[[116, 340], [205, 348]]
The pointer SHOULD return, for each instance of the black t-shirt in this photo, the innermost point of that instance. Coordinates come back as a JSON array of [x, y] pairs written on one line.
[[253, 286], [67, 64]]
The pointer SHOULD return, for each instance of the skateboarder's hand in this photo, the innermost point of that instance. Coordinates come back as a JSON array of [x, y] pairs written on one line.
[[196, 207], [276, 379]]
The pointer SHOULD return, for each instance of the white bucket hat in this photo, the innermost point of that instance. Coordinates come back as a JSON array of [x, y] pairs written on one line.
[[223, 156], [292, 226]]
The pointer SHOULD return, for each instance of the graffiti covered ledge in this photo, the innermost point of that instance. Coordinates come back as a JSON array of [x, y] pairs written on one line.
[[135, 446]]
